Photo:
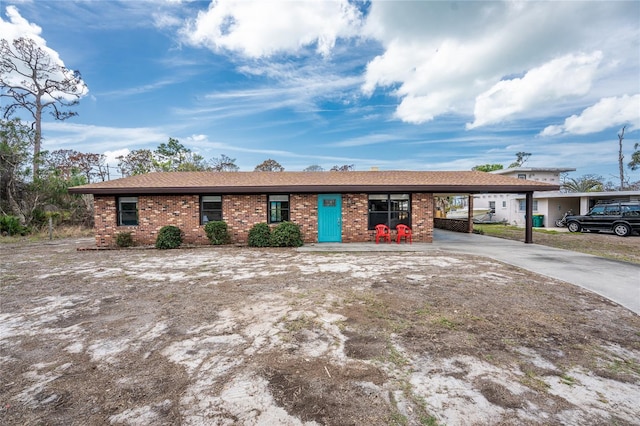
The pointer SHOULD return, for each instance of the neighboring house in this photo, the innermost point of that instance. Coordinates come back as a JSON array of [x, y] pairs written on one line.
[[511, 208], [328, 206], [551, 205]]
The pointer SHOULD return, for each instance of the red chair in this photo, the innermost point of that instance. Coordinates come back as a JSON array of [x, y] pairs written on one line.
[[403, 232], [383, 231]]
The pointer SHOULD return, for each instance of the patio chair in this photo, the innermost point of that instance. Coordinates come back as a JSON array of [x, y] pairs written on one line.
[[383, 231], [403, 232]]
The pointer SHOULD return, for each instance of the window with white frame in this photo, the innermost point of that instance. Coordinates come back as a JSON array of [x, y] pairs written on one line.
[[278, 207], [523, 205], [127, 211], [210, 208]]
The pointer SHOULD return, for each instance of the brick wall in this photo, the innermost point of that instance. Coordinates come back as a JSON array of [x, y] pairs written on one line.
[[422, 208], [241, 212], [457, 225]]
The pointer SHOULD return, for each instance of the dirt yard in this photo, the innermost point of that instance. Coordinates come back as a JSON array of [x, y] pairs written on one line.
[[239, 336]]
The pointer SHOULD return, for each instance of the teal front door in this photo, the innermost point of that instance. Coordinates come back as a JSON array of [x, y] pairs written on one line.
[[329, 218]]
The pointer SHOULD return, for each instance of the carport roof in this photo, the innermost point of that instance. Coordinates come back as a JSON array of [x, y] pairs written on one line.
[[313, 182]]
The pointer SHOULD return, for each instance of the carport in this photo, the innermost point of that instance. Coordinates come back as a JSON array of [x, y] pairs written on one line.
[[467, 225]]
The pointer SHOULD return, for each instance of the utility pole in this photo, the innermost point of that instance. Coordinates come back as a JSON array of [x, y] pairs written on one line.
[[621, 158]]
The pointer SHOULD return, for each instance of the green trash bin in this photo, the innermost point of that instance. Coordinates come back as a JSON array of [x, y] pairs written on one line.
[[538, 220]]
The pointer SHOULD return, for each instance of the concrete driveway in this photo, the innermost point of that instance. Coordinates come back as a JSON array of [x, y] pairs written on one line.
[[617, 281]]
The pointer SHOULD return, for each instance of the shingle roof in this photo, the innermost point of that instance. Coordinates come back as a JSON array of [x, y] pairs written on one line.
[[313, 182]]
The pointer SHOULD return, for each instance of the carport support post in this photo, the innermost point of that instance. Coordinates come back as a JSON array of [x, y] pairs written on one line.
[[470, 214], [528, 222]]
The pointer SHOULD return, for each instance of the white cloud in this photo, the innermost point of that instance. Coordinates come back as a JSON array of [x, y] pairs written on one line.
[[440, 56], [264, 28], [571, 75], [89, 138], [607, 113], [372, 139], [111, 157], [18, 27]]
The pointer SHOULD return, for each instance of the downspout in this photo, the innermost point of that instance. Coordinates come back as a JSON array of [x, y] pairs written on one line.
[[528, 221]]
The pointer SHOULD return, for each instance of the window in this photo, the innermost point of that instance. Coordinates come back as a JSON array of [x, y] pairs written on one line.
[[278, 208], [389, 209], [612, 210], [631, 210], [210, 208], [504, 204], [492, 206], [127, 211], [523, 205], [522, 176]]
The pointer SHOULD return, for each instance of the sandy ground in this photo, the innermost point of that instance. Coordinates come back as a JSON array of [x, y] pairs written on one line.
[[239, 336]]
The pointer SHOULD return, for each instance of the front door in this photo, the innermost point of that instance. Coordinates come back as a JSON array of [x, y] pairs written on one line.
[[329, 218]]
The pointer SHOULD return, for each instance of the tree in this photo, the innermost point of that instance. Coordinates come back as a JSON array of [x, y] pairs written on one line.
[[175, 157], [224, 164], [70, 163], [343, 168], [92, 166], [16, 141], [137, 162], [314, 168], [487, 167], [521, 158], [634, 164], [621, 157], [35, 82], [269, 166], [585, 183]]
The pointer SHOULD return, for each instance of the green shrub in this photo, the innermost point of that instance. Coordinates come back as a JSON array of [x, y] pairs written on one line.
[[286, 234], [124, 239], [217, 232], [260, 235], [169, 237], [10, 225]]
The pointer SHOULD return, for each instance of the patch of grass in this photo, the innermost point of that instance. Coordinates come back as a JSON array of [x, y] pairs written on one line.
[[305, 322], [598, 244], [624, 366], [531, 380], [446, 322], [60, 232], [398, 419], [6, 280], [424, 311], [395, 357], [568, 380], [429, 421]]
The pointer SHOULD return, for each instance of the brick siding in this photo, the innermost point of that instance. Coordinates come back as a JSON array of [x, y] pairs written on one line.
[[241, 212]]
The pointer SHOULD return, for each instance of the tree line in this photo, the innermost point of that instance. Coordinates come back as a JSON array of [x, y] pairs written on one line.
[[33, 183]]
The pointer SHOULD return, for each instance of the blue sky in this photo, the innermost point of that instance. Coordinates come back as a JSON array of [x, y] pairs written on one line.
[[394, 85]]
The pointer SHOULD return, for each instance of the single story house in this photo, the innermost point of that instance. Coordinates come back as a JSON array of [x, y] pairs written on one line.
[[328, 206]]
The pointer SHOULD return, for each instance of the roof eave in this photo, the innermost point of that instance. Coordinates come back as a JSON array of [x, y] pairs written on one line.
[[316, 189]]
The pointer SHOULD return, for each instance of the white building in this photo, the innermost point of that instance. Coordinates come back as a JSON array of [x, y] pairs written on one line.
[[510, 208]]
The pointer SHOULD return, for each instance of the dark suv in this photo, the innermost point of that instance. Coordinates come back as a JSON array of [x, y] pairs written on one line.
[[622, 218]]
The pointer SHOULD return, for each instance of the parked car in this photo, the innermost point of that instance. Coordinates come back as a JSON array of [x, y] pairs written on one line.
[[622, 218]]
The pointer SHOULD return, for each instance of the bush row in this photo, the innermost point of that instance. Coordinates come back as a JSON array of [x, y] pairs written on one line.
[[286, 234]]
